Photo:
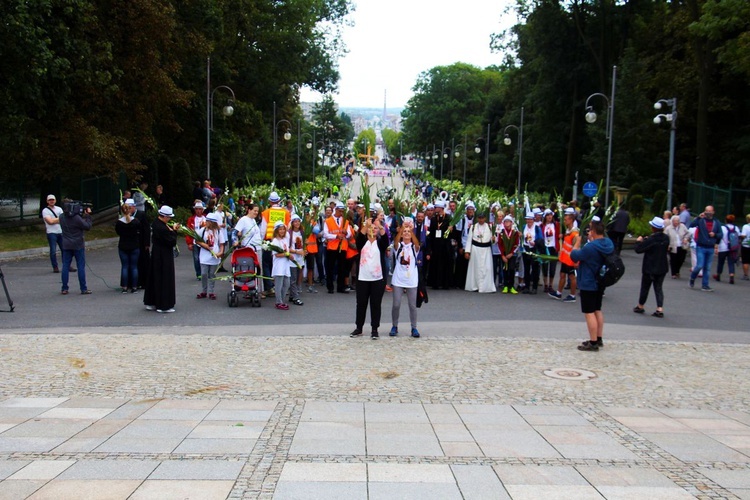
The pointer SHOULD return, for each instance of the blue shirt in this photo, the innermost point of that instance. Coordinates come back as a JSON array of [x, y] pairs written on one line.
[[591, 257]]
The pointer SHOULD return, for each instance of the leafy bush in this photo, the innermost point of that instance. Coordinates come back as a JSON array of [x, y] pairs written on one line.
[[636, 206], [635, 190], [639, 226], [658, 204]]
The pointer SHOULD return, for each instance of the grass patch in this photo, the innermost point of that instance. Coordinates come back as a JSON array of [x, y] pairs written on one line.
[[15, 239]]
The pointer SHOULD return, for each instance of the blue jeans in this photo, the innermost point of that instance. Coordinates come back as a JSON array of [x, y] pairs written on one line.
[[129, 270], [704, 256], [67, 258], [55, 240]]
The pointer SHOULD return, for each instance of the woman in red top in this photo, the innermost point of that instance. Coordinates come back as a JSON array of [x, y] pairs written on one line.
[[508, 239]]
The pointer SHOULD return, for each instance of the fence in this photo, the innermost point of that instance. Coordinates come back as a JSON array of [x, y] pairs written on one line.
[[725, 201], [23, 200]]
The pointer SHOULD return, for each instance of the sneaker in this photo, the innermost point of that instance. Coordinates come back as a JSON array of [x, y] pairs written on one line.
[[746, 278], [356, 333], [393, 332], [55, 270], [374, 335], [505, 289], [716, 277], [311, 289], [692, 283], [134, 290], [151, 308], [512, 291], [415, 333], [85, 292], [201, 295], [271, 293], [731, 280], [588, 346], [555, 294], [600, 342], [707, 289], [297, 302], [124, 290], [198, 278], [164, 311], [282, 307], [569, 299], [212, 296], [533, 291]]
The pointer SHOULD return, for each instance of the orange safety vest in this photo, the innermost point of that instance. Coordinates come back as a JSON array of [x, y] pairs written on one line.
[[271, 216], [312, 244], [333, 245], [352, 251], [567, 247]]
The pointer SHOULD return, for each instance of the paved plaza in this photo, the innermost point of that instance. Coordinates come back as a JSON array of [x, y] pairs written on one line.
[[111, 401]]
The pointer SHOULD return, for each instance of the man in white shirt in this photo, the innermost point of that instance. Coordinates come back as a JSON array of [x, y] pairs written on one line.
[[51, 215]]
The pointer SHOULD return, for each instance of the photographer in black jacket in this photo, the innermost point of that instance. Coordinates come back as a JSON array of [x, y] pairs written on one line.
[[74, 221]]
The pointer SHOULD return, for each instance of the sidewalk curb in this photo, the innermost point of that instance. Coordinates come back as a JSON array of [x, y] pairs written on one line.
[[44, 251]]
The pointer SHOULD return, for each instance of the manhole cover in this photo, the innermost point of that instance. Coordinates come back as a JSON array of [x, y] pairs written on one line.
[[569, 374]]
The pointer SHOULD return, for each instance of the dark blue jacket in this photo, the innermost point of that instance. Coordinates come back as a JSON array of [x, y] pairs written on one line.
[[591, 257], [703, 239]]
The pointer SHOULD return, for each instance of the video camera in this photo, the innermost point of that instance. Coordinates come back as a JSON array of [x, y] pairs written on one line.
[[73, 207]]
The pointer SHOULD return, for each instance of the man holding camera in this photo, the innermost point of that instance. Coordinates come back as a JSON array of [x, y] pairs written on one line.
[[74, 221]]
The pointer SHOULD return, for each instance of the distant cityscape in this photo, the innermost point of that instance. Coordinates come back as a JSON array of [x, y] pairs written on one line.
[[365, 118]]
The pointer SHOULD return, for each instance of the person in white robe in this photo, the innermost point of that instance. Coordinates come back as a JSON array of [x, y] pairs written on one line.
[[478, 251]]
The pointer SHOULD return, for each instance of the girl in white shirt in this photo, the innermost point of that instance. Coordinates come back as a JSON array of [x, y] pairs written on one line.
[[405, 277], [297, 251], [211, 253], [281, 262]]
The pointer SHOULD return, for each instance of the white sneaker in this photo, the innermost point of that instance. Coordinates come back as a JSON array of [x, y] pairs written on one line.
[[151, 308], [165, 310]]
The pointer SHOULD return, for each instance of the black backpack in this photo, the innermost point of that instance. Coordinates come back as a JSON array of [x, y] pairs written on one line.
[[611, 271]]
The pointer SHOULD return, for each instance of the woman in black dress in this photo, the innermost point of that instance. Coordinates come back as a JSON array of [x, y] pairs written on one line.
[[160, 287]]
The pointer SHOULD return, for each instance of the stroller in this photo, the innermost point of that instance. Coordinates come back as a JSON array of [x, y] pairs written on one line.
[[245, 265]]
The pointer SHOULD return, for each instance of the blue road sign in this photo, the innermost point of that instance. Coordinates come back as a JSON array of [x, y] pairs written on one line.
[[590, 189]]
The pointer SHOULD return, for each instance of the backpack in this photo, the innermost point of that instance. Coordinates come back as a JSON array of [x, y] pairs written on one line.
[[611, 271], [733, 242]]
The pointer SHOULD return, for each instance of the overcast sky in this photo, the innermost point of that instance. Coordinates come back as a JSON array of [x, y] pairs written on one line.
[[393, 41]]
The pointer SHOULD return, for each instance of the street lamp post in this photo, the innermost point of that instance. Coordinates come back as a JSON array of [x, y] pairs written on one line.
[[508, 142], [435, 156], [287, 135], [478, 150], [672, 118], [591, 118], [308, 145], [227, 110]]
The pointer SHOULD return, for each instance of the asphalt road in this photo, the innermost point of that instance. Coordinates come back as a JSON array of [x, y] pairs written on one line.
[[690, 314]]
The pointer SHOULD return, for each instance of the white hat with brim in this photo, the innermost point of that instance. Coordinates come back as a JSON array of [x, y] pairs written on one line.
[[536, 211], [274, 197], [470, 205], [340, 205], [213, 218], [279, 223], [199, 205], [596, 218], [130, 202], [295, 217], [570, 211], [508, 218], [51, 197], [439, 204], [657, 222], [166, 211], [430, 206], [548, 211], [529, 215]]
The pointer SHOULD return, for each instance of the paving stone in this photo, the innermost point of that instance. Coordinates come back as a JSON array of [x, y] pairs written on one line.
[[197, 469], [121, 469], [42, 469], [479, 482], [325, 472], [15, 489], [181, 490], [288, 490], [8, 467], [87, 489]]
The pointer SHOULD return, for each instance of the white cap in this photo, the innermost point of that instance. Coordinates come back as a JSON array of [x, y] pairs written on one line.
[[430, 206], [279, 223], [295, 217], [213, 217], [51, 197], [529, 215], [340, 205], [376, 207], [274, 197], [548, 211], [315, 201], [508, 217], [570, 211], [440, 204], [166, 211], [536, 211], [199, 204], [596, 218], [130, 201], [657, 222], [470, 205]]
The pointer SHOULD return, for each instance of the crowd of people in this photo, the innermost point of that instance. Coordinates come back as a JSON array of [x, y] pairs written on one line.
[[349, 249]]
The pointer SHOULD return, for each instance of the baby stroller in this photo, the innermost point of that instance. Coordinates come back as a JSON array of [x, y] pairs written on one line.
[[245, 265]]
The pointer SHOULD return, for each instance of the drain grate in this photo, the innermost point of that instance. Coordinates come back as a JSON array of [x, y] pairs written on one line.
[[569, 374]]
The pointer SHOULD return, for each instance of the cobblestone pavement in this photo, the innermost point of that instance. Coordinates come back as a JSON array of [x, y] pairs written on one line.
[[190, 415]]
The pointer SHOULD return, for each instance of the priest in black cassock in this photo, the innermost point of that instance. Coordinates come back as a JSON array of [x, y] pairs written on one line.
[[440, 251], [160, 293]]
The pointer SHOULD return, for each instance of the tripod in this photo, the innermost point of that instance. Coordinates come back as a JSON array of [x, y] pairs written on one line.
[[7, 295]]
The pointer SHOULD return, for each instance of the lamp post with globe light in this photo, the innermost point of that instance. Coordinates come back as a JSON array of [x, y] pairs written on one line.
[[670, 117], [287, 135], [227, 111], [507, 141], [591, 118]]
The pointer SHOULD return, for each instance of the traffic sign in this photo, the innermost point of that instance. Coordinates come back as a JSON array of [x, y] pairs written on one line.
[[590, 189]]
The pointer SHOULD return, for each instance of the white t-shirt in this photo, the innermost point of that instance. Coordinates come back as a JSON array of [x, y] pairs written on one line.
[[297, 244], [405, 272], [281, 264], [47, 212], [549, 231], [746, 233], [370, 268], [213, 238], [250, 232]]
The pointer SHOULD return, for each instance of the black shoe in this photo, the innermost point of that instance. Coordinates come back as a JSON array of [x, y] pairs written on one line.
[[533, 291], [588, 346], [638, 310], [343, 291], [356, 333], [330, 291], [374, 335], [600, 342]]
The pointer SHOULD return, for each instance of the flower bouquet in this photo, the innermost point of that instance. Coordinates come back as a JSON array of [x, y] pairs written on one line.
[[276, 249]]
